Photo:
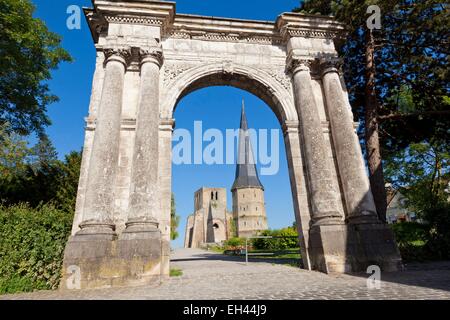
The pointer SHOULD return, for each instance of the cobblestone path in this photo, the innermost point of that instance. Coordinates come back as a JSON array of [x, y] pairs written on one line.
[[208, 275]]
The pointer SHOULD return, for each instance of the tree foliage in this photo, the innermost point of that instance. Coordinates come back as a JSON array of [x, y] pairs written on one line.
[[35, 175], [29, 51], [397, 77], [411, 60], [422, 174]]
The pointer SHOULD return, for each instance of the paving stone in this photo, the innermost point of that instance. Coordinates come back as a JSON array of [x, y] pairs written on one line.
[[208, 276]]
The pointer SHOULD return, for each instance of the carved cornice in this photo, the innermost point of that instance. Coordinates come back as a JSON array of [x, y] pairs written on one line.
[[308, 33], [155, 13], [134, 20], [225, 37], [308, 26], [97, 23]]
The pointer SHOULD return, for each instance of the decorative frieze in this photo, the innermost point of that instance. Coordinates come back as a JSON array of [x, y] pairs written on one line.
[[309, 33], [134, 20], [225, 37]]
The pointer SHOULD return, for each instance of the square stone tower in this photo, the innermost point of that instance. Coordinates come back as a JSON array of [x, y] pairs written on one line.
[[249, 211], [211, 222]]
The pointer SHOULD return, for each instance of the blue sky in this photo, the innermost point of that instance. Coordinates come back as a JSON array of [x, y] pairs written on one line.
[[217, 107]]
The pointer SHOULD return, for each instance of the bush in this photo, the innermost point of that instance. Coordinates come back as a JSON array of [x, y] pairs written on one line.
[[234, 244], [291, 240], [407, 232], [32, 242], [438, 217]]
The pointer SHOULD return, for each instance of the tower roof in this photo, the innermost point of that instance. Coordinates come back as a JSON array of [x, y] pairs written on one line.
[[246, 174]]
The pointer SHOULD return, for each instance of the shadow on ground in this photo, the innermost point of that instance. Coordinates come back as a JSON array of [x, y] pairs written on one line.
[[433, 275], [223, 257]]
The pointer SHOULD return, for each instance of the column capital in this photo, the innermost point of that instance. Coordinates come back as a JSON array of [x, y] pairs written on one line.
[[152, 54], [298, 63], [120, 54], [327, 65]]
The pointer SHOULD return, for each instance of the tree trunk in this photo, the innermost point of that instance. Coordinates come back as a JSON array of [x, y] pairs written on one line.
[[373, 151]]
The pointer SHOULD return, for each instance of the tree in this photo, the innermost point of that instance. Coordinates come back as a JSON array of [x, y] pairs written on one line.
[[66, 195], [409, 54], [29, 52], [174, 219], [35, 175], [421, 173], [13, 156]]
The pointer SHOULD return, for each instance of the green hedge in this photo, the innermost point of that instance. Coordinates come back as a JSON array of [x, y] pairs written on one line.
[[32, 242], [407, 232], [234, 243], [277, 243]]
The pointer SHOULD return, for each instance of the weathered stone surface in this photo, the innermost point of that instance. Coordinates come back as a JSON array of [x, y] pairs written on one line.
[[148, 59], [99, 197], [355, 183], [323, 189]]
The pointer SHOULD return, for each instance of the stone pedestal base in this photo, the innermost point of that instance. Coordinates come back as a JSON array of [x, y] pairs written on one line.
[[353, 248], [327, 246], [132, 260], [165, 260], [373, 244]]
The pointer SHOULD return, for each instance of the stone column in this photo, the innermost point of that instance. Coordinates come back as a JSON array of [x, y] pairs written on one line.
[[322, 188], [356, 187], [165, 186], [99, 202], [144, 194], [298, 186]]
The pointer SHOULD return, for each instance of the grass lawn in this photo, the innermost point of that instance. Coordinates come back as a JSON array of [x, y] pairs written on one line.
[[289, 257], [174, 272], [275, 254]]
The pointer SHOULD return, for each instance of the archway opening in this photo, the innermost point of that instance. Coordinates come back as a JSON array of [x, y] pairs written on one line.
[[214, 102]]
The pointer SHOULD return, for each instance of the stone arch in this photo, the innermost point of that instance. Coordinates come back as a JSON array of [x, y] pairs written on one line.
[[258, 82], [134, 39]]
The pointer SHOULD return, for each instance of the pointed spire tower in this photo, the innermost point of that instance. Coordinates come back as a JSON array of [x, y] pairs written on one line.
[[246, 174], [248, 192]]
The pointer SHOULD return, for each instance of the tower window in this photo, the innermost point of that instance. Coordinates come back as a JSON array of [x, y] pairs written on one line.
[[256, 208], [215, 226], [217, 195], [212, 195]]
